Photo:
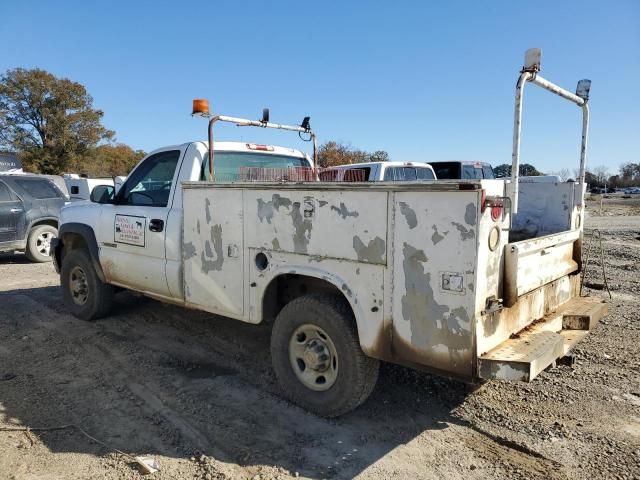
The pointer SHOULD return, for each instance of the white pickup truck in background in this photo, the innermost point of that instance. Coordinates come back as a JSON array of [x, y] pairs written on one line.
[[390, 171], [473, 279]]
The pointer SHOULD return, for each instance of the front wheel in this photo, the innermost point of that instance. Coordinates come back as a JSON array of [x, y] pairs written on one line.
[[39, 243], [317, 357], [84, 294]]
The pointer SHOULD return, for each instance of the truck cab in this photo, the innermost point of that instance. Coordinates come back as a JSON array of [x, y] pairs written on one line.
[[135, 234]]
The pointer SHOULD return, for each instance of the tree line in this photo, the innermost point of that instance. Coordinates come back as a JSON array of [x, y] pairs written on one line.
[[54, 128], [52, 125]]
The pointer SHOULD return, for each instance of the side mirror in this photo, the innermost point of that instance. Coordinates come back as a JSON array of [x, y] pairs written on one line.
[[102, 194]]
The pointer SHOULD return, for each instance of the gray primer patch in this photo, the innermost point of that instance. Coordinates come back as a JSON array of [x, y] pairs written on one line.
[[266, 209], [436, 237], [302, 228], [322, 203], [275, 244], [372, 253], [409, 215], [420, 308], [465, 233], [343, 211], [188, 251], [347, 290], [207, 211], [216, 239], [198, 227], [470, 214]]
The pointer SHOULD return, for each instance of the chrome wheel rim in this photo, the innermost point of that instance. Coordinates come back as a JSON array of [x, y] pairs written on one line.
[[78, 286], [43, 243], [313, 357]]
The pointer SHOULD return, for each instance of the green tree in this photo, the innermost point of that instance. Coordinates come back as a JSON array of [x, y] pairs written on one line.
[[107, 160], [334, 153], [526, 169], [50, 121]]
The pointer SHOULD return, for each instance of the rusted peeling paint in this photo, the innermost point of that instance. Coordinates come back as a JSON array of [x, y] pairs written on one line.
[[442, 337], [216, 239], [437, 237], [470, 214], [207, 210], [409, 215], [465, 233], [372, 253], [266, 209], [302, 227], [343, 211], [188, 251]]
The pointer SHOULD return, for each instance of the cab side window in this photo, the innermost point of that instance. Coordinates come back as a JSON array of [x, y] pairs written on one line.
[[150, 184], [5, 194]]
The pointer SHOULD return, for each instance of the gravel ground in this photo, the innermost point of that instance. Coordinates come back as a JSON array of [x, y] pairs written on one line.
[[196, 392]]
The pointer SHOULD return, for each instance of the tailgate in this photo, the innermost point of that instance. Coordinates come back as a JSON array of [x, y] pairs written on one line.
[[532, 263]]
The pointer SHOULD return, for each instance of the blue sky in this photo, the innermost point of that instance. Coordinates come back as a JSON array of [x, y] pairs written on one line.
[[422, 80]]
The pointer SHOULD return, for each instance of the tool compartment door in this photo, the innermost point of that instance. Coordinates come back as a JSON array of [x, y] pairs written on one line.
[[212, 250]]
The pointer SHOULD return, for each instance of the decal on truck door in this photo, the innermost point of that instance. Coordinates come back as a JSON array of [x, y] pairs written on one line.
[[130, 230]]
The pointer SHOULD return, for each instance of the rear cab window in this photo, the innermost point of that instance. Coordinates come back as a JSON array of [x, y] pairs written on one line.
[[407, 174], [487, 172], [228, 165], [447, 170], [38, 188]]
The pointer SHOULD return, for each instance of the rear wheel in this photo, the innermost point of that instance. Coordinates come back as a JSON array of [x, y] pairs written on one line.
[[39, 243], [84, 294], [317, 357]]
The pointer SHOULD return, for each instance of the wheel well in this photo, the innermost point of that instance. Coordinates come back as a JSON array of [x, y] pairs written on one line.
[[47, 221], [72, 241], [290, 286]]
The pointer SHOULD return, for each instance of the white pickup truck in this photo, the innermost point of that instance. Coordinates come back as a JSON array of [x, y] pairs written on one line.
[[473, 279]]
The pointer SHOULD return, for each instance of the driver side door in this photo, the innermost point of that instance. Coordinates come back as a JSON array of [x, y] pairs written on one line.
[[132, 230]]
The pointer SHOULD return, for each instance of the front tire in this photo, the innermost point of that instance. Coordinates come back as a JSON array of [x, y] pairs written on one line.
[[317, 357], [84, 294], [39, 243]]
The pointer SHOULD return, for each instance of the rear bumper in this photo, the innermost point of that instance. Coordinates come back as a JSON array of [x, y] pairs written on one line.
[[523, 356]]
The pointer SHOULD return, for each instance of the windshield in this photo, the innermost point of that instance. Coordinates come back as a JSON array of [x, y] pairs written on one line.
[[227, 165]]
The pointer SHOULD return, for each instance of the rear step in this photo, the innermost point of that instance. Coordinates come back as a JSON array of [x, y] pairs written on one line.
[[527, 353]]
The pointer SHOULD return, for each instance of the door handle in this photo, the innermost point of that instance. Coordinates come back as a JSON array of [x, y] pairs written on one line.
[[15, 210], [156, 225]]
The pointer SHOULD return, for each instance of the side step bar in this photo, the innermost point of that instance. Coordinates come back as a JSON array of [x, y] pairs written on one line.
[[523, 356]]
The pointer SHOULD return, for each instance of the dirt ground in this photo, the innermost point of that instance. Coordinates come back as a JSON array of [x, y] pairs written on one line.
[[197, 392]]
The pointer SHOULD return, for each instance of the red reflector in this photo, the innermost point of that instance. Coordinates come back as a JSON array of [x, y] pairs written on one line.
[[483, 200], [258, 146]]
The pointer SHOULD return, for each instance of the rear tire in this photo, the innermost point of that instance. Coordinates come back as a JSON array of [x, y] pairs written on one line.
[[84, 294], [317, 357], [39, 243]]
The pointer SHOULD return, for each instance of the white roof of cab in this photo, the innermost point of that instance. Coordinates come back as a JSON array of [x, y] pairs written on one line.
[[388, 164]]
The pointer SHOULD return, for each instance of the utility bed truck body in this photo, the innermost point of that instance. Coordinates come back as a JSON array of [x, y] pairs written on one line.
[[472, 279]]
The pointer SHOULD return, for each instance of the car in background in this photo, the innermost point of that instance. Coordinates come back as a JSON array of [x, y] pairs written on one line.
[[380, 172], [454, 170], [29, 211]]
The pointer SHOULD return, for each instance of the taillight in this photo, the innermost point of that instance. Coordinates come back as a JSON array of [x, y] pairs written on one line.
[[257, 146], [496, 213]]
